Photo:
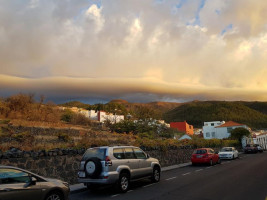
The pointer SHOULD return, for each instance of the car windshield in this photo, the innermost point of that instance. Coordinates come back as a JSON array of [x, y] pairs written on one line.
[[95, 152], [200, 151], [226, 149]]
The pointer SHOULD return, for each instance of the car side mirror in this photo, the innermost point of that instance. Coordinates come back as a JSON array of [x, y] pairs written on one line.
[[147, 156], [32, 181]]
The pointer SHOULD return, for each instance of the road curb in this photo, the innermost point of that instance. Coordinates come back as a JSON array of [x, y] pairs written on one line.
[[76, 188]]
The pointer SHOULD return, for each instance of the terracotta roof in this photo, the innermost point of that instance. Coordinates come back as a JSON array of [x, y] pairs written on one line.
[[229, 124]]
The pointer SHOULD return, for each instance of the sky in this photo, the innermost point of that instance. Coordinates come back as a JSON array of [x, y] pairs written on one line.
[[138, 50]]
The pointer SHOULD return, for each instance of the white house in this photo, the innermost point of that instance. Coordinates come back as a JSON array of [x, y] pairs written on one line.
[[103, 116], [220, 130], [261, 140], [93, 115], [209, 130]]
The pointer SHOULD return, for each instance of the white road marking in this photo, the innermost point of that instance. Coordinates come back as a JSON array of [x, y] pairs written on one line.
[[149, 185], [198, 170], [208, 167], [170, 178], [186, 173], [115, 195], [130, 191]]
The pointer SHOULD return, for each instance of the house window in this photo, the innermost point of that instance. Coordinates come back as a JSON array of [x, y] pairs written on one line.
[[213, 134], [207, 134], [229, 129], [212, 124]]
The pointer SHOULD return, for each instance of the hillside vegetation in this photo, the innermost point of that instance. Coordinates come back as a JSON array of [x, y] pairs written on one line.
[[196, 113], [153, 110]]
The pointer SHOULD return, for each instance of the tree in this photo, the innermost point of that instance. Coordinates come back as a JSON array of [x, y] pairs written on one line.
[[239, 133]]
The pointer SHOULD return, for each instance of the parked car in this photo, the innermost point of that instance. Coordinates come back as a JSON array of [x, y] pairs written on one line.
[[205, 155], [260, 149], [18, 184], [117, 165], [228, 153], [250, 148]]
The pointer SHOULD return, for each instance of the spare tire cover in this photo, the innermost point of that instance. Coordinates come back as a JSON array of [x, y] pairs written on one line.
[[93, 167]]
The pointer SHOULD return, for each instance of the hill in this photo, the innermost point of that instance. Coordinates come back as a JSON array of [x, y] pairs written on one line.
[[255, 105], [196, 113], [75, 104]]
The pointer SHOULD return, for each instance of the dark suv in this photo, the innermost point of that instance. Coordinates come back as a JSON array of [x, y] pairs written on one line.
[[117, 165]]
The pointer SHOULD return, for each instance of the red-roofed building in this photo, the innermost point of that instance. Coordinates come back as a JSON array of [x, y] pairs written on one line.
[[220, 129], [183, 127]]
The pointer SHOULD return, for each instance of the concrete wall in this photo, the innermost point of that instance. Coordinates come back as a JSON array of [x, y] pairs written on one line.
[[224, 132], [66, 167], [209, 129]]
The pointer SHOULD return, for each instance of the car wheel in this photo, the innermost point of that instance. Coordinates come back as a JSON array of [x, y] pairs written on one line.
[[156, 174], [233, 157], [211, 162], [194, 164], [93, 167], [54, 196], [124, 181], [219, 161]]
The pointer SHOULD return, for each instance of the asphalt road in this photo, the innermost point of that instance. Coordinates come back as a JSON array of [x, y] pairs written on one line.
[[239, 179]]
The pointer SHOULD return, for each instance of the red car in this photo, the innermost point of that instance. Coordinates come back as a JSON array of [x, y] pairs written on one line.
[[205, 155]]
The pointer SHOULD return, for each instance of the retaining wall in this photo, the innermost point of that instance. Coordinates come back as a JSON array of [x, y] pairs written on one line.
[[65, 167]]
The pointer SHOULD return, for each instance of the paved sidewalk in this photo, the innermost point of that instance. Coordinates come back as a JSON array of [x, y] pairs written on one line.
[[80, 186]]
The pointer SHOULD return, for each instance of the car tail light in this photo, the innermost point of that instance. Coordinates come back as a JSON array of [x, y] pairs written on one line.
[[108, 162]]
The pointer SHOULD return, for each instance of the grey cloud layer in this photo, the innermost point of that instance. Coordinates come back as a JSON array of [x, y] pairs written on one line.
[[136, 40]]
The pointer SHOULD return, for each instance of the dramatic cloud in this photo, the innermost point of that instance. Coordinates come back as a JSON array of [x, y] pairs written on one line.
[[153, 50]]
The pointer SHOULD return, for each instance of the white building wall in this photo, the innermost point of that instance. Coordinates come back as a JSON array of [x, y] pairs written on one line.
[[209, 130], [93, 114], [225, 132], [112, 118], [262, 141]]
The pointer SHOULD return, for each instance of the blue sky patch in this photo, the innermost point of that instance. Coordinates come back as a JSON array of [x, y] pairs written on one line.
[[227, 28]]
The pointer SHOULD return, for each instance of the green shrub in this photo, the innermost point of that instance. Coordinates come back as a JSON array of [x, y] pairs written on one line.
[[63, 137], [4, 121], [67, 115], [23, 136]]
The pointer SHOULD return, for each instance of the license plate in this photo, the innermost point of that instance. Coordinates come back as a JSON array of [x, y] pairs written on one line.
[[81, 174], [199, 156]]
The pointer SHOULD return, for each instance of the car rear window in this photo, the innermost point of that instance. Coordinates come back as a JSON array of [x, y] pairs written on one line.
[[95, 152], [200, 151], [118, 153], [227, 149]]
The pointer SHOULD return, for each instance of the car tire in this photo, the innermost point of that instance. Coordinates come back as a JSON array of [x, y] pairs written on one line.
[[93, 167], [211, 162], [124, 182], [194, 164], [233, 157], [219, 161], [55, 196], [156, 175]]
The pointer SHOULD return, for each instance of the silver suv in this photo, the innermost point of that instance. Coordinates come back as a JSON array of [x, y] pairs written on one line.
[[117, 165]]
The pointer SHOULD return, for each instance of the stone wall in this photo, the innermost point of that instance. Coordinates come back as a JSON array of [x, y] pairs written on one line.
[[44, 131], [65, 167]]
